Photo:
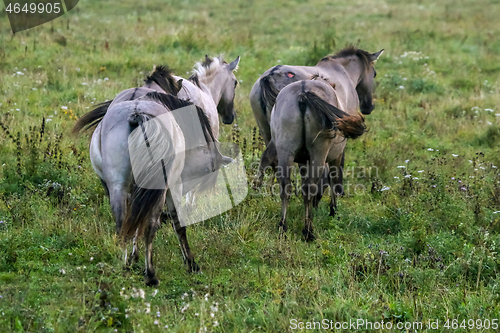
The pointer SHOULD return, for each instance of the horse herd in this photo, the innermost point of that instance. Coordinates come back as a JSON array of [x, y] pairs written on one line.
[[305, 115]]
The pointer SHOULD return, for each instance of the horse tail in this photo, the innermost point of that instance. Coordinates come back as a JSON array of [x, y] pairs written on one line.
[[331, 117], [150, 165], [91, 119], [268, 92]]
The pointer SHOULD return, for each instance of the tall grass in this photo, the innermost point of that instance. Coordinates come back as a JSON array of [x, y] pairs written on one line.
[[415, 238]]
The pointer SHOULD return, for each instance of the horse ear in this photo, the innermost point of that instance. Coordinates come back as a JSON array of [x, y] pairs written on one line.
[[375, 56], [234, 65]]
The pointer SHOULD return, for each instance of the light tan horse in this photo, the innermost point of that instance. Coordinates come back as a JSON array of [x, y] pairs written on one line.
[[309, 126], [350, 72]]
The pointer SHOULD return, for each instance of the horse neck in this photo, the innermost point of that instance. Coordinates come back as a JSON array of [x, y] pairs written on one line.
[[332, 65], [213, 88]]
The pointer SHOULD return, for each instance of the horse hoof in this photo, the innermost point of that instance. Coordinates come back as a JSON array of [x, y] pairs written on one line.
[[256, 185], [193, 267], [151, 282], [282, 227], [308, 235], [282, 234], [134, 259], [332, 212]]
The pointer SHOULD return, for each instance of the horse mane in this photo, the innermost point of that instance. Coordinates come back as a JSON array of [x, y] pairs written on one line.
[[91, 119], [162, 76], [208, 67], [194, 79], [351, 50]]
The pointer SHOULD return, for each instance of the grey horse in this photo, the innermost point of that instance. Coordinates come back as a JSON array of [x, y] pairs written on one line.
[[309, 125], [350, 72], [110, 154]]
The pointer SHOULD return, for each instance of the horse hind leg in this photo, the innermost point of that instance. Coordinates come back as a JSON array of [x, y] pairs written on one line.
[[134, 256], [268, 159], [323, 185], [182, 237], [336, 174], [149, 235], [284, 171], [118, 198], [310, 189]]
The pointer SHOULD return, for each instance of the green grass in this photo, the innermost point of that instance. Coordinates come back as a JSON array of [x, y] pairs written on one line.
[[424, 249]]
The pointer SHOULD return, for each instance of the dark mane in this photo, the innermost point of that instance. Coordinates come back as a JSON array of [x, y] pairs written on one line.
[[207, 62], [162, 76], [194, 78], [351, 51]]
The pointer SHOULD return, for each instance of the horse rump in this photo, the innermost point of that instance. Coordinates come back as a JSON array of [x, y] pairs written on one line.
[[331, 117]]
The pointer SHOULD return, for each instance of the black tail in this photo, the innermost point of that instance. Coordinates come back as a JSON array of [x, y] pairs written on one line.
[[91, 119], [150, 180], [268, 93], [331, 117]]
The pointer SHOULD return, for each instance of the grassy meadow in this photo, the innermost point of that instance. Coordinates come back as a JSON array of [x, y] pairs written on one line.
[[416, 237]]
